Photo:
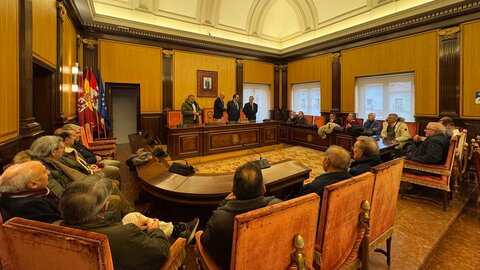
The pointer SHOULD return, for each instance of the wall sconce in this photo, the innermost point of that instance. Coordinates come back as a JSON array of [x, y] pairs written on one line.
[[75, 78]]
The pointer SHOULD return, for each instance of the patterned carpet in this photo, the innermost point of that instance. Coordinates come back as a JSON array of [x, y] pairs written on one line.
[[309, 157]]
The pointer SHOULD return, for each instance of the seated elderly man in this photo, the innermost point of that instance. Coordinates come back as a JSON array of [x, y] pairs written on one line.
[[301, 120], [434, 149], [371, 126], [248, 194], [137, 242], [394, 129], [449, 125], [88, 155], [335, 164], [350, 121], [365, 155], [75, 160], [49, 150], [292, 117], [24, 193]]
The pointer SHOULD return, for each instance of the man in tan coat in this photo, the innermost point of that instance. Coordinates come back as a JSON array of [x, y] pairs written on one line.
[[395, 130]]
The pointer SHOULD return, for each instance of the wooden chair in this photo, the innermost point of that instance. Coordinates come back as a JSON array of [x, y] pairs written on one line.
[[207, 115], [263, 238], [5, 262], [359, 121], [340, 230], [460, 163], [309, 119], [412, 128], [38, 245], [439, 175], [319, 121], [384, 204], [174, 118], [103, 151], [476, 162], [98, 141]]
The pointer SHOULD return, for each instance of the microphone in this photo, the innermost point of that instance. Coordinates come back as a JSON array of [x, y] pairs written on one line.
[[261, 162]]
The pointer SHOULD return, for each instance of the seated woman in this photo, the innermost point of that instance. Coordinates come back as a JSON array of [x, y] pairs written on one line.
[[24, 193]]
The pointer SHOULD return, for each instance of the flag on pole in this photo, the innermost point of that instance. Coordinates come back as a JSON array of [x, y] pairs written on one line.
[[102, 105], [94, 95]]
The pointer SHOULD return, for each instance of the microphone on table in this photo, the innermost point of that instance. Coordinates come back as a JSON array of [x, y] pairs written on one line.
[[261, 162], [181, 169]]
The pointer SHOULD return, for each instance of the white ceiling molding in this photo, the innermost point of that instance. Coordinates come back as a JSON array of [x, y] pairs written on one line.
[[274, 24]]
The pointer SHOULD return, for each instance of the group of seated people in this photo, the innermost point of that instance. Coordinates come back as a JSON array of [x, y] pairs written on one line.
[[60, 181]]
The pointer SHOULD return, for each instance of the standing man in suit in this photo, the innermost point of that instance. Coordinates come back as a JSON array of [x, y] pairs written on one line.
[[250, 109], [191, 111], [233, 108], [219, 108]]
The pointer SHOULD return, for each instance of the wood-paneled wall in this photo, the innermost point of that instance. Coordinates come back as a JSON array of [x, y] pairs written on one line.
[[185, 66], [9, 70], [313, 69], [417, 53], [260, 73], [132, 63], [69, 43], [470, 76], [44, 20]]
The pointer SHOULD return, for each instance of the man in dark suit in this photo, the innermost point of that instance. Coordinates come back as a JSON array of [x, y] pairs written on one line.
[[335, 165], [434, 149], [219, 108], [301, 120], [365, 155], [233, 108], [250, 109]]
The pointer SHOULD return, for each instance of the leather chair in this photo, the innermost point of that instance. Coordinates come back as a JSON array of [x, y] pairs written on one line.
[[319, 121], [174, 118], [412, 128], [37, 245], [340, 232], [384, 204], [439, 175], [98, 141], [207, 115], [263, 238], [309, 119]]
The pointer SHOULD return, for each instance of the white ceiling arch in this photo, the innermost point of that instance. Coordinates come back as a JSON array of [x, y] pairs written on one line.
[[274, 25]]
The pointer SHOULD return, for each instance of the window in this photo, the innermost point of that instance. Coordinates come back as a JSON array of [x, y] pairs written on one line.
[[385, 94], [306, 98], [261, 94]]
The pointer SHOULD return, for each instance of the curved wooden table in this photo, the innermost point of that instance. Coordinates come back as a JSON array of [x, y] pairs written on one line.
[[180, 198]]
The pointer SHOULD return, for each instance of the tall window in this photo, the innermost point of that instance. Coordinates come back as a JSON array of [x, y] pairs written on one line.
[[261, 94], [306, 98], [385, 94]]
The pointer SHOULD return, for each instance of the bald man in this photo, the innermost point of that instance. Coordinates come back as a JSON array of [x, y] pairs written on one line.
[[365, 155], [25, 193], [335, 165], [219, 107]]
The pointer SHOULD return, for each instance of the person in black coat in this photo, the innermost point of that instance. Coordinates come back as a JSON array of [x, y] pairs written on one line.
[[247, 194], [301, 120], [434, 149], [233, 108], [366, 155], [219, 108], [24, 193], [335, 165], [250, 109]]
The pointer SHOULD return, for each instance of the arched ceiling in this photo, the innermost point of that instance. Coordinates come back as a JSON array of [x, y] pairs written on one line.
[[270, 25]]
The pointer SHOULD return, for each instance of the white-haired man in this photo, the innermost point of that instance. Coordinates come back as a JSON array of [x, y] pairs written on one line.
[[24, 193]]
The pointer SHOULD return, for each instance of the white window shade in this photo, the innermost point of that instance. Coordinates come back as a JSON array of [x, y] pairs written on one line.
[[386, 94], [261, 95], [306, 98]]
